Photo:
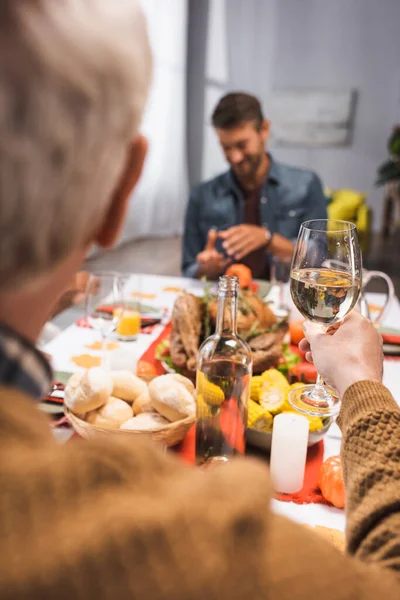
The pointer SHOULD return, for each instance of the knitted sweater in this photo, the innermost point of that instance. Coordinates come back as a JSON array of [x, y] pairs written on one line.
[[116, 520]]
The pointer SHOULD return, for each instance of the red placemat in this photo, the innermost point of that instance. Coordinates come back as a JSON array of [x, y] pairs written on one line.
[[310, 494], [149, 356]]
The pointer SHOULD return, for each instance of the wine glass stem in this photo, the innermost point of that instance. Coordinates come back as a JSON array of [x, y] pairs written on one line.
[[319, 389], [281, 294]]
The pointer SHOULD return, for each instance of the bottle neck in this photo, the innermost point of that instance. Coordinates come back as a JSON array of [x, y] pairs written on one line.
[[227, 306]]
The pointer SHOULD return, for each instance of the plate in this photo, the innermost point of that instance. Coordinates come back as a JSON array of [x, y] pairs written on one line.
[[167, 368], [263, 439], [61, 376]]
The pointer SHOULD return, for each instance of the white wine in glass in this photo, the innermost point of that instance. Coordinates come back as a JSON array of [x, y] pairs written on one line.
[[324, 295]]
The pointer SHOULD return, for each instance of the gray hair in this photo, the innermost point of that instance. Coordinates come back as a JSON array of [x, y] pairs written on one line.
[[74, 79]]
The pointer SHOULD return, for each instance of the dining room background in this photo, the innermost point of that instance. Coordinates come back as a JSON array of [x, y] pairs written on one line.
[[204, 48], [263, 46]]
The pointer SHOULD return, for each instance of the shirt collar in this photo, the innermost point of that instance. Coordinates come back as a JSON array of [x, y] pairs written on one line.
[[274, 173], [22, 365]]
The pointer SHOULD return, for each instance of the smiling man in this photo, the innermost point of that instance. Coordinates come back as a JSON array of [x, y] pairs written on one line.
[[254, 210]]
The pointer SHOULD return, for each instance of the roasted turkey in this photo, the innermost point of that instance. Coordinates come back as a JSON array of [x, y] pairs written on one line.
[[254, 320]]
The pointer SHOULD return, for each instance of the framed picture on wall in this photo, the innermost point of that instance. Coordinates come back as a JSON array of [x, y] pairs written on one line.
[[312, 118]]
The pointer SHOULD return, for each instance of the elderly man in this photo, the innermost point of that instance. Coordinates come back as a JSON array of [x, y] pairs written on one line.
[[253, 211], [117, 520]]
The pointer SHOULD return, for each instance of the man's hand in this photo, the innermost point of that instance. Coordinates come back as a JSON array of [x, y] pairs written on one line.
[[353, 352], [240, 240], [212, 263]]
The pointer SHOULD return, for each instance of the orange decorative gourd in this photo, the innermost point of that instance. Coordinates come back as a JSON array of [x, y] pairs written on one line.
[[242, 272], [331, 481]]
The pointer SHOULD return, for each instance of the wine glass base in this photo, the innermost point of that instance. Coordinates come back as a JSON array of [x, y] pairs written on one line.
[[304, 400]]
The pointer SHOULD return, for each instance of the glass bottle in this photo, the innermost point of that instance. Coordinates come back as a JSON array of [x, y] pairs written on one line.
[[223, 383]]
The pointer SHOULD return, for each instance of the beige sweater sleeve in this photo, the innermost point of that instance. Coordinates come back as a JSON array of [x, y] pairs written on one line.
[[95, 520], [370, 423]]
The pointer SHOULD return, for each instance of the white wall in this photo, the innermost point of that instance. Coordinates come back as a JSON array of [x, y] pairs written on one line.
[[323, 44], [344, 44]]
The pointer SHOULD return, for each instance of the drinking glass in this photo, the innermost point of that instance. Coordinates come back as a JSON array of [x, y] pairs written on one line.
[[129, 325], [280, 276], [368, 276], [324, 295], [104, 305]]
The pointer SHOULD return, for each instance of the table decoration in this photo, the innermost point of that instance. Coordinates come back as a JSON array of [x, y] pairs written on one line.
[[289, 452]]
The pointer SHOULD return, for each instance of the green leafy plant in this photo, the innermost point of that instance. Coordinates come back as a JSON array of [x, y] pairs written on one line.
[[389, 171]]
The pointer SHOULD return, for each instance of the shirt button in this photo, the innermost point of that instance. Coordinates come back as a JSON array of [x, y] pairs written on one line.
[[264, 200], [292, 213]]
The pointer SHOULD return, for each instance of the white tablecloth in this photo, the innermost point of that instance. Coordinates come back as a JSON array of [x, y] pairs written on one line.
[[74, 341]]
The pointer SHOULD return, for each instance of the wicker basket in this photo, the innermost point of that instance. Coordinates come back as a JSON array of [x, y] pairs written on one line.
[[169, 435]]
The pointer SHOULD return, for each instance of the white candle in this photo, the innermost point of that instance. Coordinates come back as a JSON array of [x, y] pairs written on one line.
[[289, 452]]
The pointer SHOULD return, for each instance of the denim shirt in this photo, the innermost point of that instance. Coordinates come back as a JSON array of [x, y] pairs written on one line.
[[288, 197]]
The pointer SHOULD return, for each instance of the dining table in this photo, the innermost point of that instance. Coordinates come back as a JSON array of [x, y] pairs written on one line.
[[157, 295]]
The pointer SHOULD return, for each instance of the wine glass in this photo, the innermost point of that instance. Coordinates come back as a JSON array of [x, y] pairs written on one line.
[[323, 294], [280, 275], [104, 306]]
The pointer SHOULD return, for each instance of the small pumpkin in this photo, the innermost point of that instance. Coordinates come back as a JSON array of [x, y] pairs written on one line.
[[296, 332], [242, 272], [331, 481]]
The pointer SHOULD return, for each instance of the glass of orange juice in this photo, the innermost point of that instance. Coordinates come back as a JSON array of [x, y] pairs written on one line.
[[129, 325]]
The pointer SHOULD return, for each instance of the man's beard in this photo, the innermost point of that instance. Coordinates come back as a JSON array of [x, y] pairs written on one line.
[[251, 165]]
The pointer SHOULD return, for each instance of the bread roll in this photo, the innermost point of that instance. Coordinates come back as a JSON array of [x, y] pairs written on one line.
[[145, 422], [127, 386], [171, 399], [184, 381], [142, 404], [88, 391], [111, 415]]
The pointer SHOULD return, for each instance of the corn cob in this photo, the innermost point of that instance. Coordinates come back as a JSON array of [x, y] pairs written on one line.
[[315, 423], [255, 385], [273, 377], [202, 410], [212, 394], [258, 417], [273, 400], [288, 407]]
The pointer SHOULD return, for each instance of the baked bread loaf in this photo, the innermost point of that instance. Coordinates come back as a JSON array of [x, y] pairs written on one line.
[[111, 415], [184, 381], [127, 386], [145, 422], [170, 398], [142, 404], [87, 391]]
